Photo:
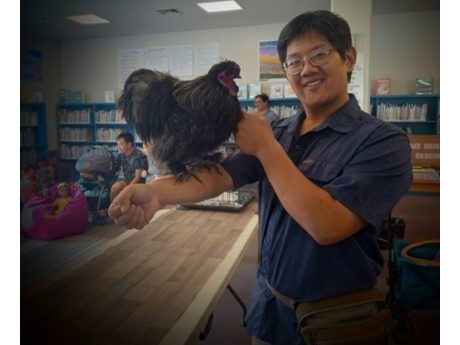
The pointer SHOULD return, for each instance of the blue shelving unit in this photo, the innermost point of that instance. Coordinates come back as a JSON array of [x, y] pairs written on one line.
[[83, 125], [33, 133], [284, 107], [419, 114]]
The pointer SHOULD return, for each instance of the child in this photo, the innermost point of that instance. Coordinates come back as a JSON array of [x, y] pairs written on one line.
[[45, 177], [62, 200], [28, 184]]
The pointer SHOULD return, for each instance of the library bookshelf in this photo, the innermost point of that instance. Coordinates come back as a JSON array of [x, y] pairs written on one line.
[[417, 114], [84, 125], [33, 133]]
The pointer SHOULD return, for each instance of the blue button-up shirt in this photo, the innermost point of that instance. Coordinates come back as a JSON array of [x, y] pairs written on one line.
[[362, 162]]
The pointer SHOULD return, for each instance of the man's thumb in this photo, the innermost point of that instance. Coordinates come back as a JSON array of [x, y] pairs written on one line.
[[124, 199]]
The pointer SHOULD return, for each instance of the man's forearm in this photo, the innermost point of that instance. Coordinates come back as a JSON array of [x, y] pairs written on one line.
[[210, 184]]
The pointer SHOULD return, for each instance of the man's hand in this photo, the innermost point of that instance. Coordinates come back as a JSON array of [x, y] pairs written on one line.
[[134, 206], [253, 133]]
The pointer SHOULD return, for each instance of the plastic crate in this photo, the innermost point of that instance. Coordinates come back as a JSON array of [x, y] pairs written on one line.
[[417, 268], [227, 201]]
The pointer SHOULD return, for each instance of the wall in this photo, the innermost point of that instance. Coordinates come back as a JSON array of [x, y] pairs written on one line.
[[51, 68], [96, 60], [405, 46], [358, 14], [402, 46]]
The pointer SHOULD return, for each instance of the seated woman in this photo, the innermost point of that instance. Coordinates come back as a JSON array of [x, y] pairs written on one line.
[[71, 220]]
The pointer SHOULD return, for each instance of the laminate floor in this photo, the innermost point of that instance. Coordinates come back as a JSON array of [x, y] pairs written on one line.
[[421, 214]]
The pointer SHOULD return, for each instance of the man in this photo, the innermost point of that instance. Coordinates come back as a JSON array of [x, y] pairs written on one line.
[[262, 106], [328, 176], [132, 161]]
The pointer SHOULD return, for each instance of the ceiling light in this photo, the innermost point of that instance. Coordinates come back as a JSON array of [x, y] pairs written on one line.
[[220, 6], [88, 19]]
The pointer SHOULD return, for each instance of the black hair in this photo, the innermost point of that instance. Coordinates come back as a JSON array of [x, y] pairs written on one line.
[[127, 136], [263, 97], [329, 24]]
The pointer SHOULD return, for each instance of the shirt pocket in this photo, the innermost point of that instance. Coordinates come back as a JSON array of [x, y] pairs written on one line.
[[320, 172]]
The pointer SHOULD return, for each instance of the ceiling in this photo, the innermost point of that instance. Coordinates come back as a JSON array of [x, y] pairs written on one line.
[[46, 18]]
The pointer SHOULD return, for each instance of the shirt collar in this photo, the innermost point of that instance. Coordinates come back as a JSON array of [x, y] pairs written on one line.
[[342, 120]]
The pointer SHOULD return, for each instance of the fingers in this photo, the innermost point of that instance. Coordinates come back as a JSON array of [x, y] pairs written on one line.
[[126, 214], [137, 218], [133, 217]]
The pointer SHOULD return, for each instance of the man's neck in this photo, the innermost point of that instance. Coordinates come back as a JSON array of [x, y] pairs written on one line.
[[129, 151]]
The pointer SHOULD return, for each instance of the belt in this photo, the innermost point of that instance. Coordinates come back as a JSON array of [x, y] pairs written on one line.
[[283, 298]]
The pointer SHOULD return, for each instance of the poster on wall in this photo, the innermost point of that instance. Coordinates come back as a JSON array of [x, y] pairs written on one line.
[[156, 58], [129, 61], [356, 84], [181, 60], [205, 56], [269, 62], [31, 65]]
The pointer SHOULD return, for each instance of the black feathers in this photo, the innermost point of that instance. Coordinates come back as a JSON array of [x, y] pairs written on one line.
[[185, 122]]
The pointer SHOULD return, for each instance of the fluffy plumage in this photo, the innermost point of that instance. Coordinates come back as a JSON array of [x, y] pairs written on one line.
[[184, 122]]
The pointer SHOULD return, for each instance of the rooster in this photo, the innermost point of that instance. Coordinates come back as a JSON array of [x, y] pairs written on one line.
[[183, 122]]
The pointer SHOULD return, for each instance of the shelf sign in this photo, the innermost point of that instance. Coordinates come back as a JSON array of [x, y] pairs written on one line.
[[31, 65], [425, 149]]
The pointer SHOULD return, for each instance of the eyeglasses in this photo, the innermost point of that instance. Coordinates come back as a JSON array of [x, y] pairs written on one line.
[[317, 58]]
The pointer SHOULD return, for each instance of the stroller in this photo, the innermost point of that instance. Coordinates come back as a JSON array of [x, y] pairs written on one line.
[[98, 170], [413, 279]]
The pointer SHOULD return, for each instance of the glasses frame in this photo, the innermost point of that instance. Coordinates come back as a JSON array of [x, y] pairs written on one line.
[[309, 58]]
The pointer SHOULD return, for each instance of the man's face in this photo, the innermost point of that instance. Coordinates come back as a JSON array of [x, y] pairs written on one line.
[[123, 146], [260, 104], [320, 87]]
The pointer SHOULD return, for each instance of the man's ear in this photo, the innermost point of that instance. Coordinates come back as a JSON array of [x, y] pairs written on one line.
[[350, 58]]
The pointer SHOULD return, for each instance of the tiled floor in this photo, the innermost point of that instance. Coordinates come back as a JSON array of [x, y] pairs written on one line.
[[421, 215]]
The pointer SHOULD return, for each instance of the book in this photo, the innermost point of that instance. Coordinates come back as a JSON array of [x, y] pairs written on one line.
[[37, 96], [383, 86], [242, 91], [423, 86], [79, 96], [254, 90], [425, 173], [64, 95], [110, 96], [288, 92], [276, 91]]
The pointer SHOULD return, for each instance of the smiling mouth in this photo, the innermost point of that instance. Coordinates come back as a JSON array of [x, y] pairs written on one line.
[[313, 83]]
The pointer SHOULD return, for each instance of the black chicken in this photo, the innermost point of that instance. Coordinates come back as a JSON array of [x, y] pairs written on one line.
[[184, 122]]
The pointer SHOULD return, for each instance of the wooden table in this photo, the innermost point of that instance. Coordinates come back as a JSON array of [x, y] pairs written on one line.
[[425, 186], [157, 286]]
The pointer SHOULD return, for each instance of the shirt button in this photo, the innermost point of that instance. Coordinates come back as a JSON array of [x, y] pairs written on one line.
[[268, 293], [297, 147]]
